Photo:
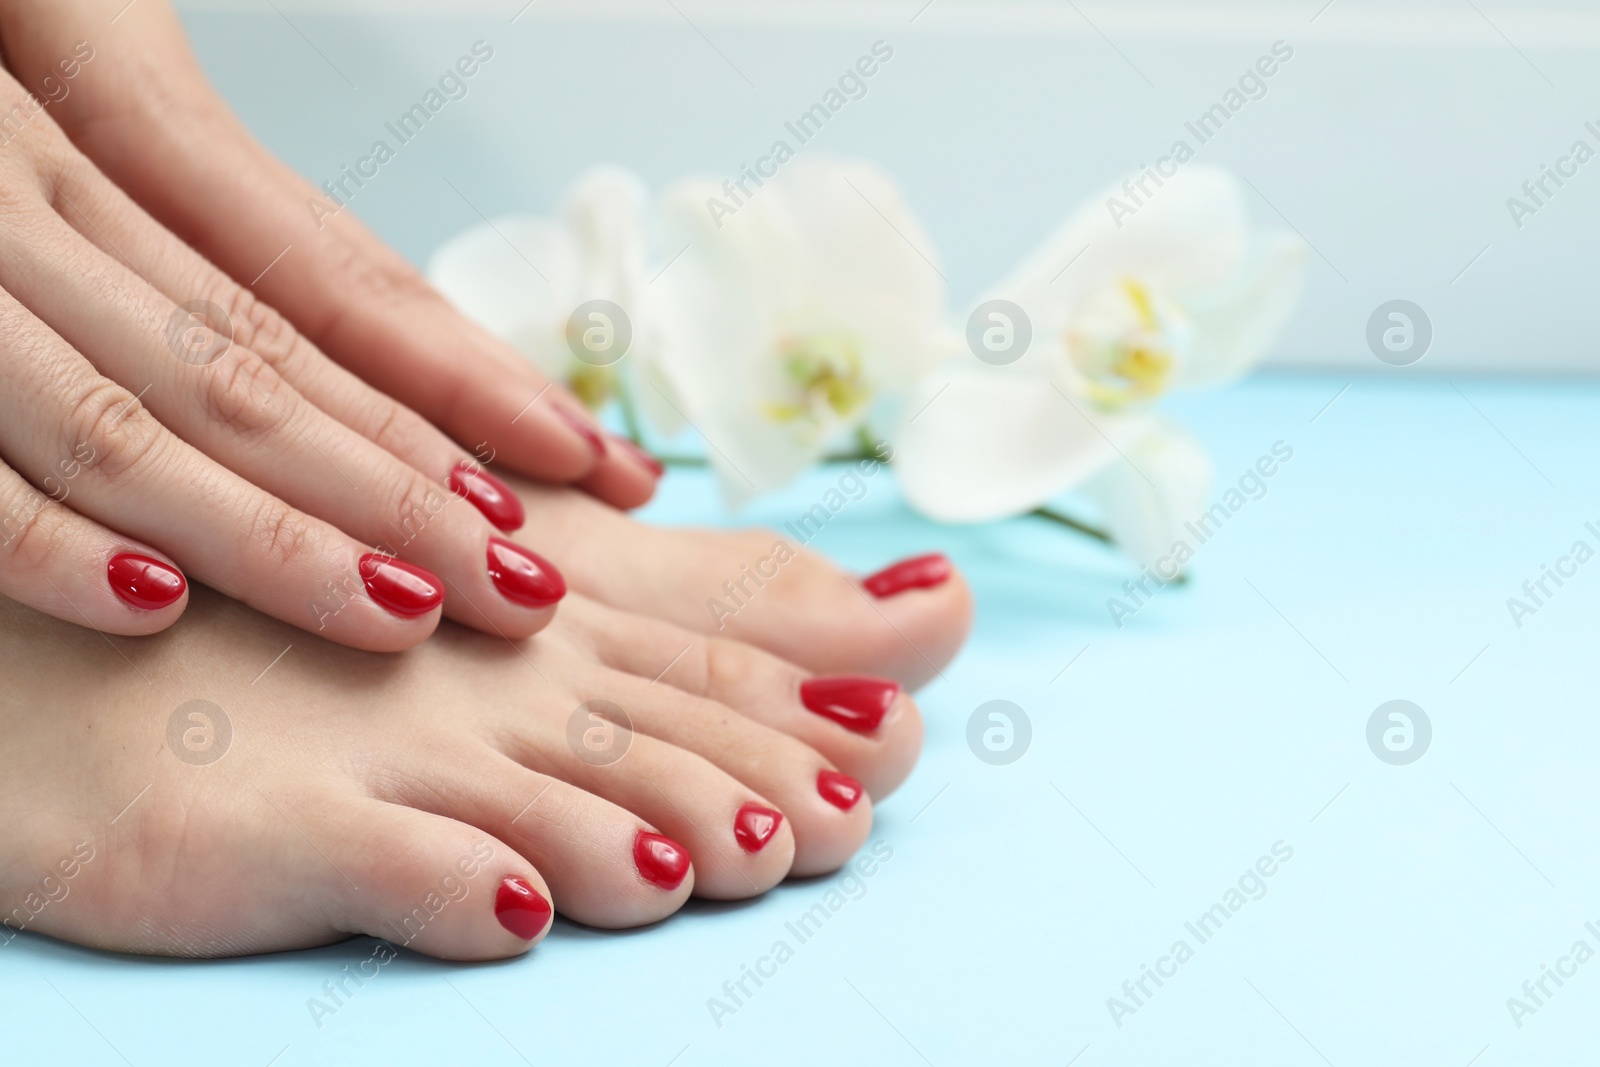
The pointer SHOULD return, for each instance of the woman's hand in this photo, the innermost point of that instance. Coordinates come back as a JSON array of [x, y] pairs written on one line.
[[157, 420], [145, 114]]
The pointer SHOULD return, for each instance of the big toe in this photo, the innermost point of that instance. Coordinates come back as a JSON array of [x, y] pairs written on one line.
[[905, 621]]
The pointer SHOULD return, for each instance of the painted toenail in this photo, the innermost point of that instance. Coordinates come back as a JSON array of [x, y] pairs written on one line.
[[144, 583], [754, 826], [840, 790], [523, 577], [661, 860], [646, 460], [399, 587], [918, 572], [521, 909], [584, 429], [488, 494], [855, 703]]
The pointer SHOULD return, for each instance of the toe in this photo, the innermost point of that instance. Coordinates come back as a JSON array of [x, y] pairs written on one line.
[[905, 621], [598, 871], [733, 756], [421, 881], [868, 727]]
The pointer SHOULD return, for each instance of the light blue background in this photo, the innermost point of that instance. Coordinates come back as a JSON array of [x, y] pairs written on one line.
[[1228, 715], [1192, 740]]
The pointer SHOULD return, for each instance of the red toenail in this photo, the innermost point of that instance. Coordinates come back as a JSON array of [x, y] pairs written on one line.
[[646, 460], [400, 587], [488, 494], [584, 429], [754, 826], [840, 790], [918, 572], [521, 909], [143, 582], [661, 860], [855, 703], [523, 577]]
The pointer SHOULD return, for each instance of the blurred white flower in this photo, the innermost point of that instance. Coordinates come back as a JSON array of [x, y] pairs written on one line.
[[1184, 293], [782, 324], [522, 277]]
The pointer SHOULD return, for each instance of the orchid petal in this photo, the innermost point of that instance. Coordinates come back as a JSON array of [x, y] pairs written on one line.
[[1146, 502], [1234, 326], [985, 443], [817, 268], [506, 275]]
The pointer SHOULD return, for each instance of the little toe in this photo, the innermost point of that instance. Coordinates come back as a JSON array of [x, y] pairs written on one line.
[[828, 811], [692, 807]]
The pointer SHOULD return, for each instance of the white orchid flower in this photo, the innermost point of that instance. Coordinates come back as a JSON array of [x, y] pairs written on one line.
[[785, 321], [524, 277], [1184, 293]]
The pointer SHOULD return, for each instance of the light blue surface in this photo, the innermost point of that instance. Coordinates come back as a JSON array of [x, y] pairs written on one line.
[[1226, 716]]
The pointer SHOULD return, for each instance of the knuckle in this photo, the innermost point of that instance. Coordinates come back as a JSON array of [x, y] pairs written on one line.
[[257, 326], [416, 502], [374, 275], [280, 534], [244, 393], [31, 531], [398, 430], [110, 431]]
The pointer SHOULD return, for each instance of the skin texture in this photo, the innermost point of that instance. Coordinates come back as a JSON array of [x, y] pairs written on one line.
[[351, 786], [143, 112]]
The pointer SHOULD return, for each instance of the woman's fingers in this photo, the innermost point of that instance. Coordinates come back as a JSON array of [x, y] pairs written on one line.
[[139, 478], [187, 160], [55, 560], [236, 408]]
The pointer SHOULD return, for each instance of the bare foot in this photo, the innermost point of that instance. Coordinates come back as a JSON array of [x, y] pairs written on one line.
[[906, 621], [232, 786]]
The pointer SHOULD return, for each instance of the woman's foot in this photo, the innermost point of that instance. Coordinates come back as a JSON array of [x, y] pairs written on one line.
[[232, 786], [905, 621]]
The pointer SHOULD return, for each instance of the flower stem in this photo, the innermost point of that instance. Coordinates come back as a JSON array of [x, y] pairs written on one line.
[[1072, 524], [630, 417]]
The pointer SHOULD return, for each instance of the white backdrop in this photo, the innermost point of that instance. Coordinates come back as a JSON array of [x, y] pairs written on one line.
[[1392, 140]]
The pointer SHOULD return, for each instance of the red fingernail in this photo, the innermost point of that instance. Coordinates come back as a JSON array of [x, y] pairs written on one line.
[[488, 494], [646, 460], [584, 428], [754, 826], [143, 582], [661, 860], [523, 577], [400, 587], [918, 572], [857, 704], [521, 909], [840, 790]]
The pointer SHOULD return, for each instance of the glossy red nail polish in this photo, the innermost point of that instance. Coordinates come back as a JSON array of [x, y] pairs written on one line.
[[488, 494], [840, 790], [144, 583], [523, 577], [399, 587], [521, 909], [646, 460], [754, 826], [584, 429], [918, 572], [661, 860], [855, 703]]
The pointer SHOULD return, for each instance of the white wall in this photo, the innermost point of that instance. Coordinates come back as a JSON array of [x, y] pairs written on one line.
[[1391, 140]]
